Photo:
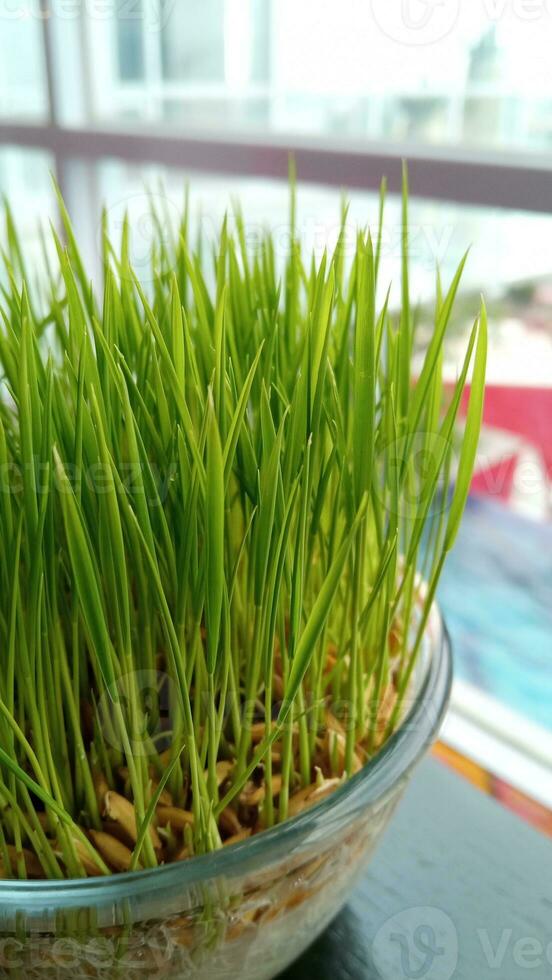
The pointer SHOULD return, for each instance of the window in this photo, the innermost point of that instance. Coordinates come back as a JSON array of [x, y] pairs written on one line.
[[349, 70]]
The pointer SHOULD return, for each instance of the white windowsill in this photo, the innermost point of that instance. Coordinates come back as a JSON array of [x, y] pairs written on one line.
[[502, 741]]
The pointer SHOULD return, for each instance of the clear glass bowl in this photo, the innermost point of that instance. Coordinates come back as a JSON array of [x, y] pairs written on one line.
[[248, 910]]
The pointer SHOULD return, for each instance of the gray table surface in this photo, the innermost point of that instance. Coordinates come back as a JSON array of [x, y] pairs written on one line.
[[460, 889]]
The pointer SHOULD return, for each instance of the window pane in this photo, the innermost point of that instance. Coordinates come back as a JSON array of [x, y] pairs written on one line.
[[25, 182], [192, 42], [130, 50], [23, 92], [476, 75]]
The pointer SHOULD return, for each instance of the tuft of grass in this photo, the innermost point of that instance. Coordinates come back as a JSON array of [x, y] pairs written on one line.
[[217, 494]]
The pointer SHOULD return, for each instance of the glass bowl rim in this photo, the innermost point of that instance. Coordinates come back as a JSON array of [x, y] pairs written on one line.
[[377, 779]]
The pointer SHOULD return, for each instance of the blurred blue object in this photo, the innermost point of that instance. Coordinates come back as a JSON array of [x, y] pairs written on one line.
[[496, 595]]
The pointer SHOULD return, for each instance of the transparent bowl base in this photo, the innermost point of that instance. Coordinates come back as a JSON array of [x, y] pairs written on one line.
[[251, 927], [245, 911]]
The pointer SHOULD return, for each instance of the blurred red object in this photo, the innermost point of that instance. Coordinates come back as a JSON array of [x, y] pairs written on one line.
[[524, 411]]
